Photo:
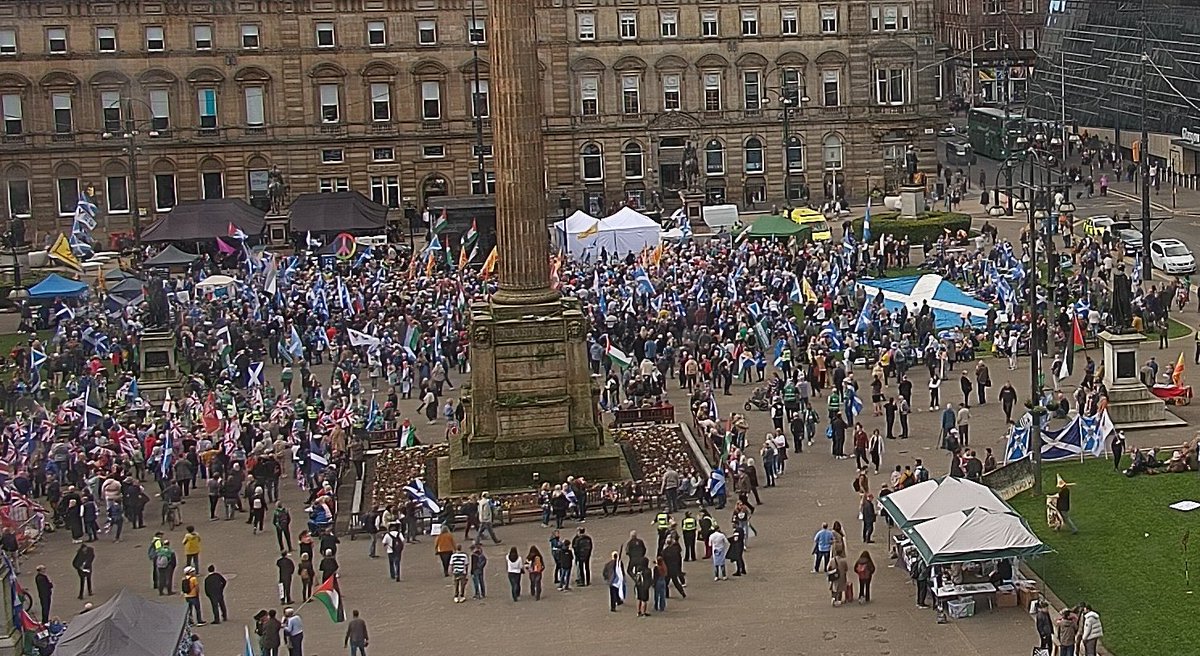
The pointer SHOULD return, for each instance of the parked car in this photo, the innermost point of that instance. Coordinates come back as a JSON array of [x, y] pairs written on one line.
[[1130, 237], [1172, 256], [1096, 226]]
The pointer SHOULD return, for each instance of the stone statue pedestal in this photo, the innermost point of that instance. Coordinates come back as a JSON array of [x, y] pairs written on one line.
[[531, 409], [693, 204], [10, 634], [158, 365], [912, 201], [1130, 403]]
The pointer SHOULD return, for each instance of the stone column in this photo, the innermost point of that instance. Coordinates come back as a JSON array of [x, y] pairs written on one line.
[[521, 234]]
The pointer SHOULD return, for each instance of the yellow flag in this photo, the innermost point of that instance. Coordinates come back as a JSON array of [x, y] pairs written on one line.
[[490, 263], [61, 251], [463, 258], [656, 255], [1177, 373], [809, 295], [429, 263], [589, 232]]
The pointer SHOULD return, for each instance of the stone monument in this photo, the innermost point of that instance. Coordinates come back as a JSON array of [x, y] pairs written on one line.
[[1130, 403], [159, 370], [531, 407]]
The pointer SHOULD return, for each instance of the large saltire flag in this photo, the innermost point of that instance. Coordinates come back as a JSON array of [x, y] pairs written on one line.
[[329, 597]]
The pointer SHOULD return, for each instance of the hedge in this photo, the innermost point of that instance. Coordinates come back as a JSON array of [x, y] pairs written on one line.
[[931, 224]]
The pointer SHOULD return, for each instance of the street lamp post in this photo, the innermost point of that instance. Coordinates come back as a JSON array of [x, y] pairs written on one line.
[[130, 135], [790, 100]]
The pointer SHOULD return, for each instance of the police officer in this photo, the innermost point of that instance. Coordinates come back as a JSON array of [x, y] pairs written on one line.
[[662, 522], [689, 536]]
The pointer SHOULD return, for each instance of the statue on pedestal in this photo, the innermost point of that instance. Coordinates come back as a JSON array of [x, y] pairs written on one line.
[[689, 168], [1122, 303], [910, 164], [16, 232], [156, 298], [277, 189]]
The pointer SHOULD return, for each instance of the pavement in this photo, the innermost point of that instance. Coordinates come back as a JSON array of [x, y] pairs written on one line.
[[781, 607]]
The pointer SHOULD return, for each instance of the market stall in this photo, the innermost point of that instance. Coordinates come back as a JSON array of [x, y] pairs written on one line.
[[938, 497], [576, 234], [127, 625]]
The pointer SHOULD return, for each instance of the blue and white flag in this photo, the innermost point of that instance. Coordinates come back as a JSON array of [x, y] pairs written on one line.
[[854, 404], [256, 375], [416, 491], [1018, 439], [867, 222], [864, 316], [643, 281], [295, 346], [830, 332], [85, 215], [796, 295]]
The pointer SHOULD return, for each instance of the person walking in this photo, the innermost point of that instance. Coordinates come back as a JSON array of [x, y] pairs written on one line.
[[867, 510], [85, 557], [836, 572], [393, 546], [191, 548], [1092, 630], [612, 576], [1064, 503], [1044, 625], [189, 587], [536, 566], [293, 630], [287, 569], [165, 562], [864, 568], [689, 526], [45, 590], [720, 548], [268, 630], [281, 519], [307, 576], [443, 547], [515, 567], [214, 589], [357, 637], [660, 585], [459, 564], [486, 517], [822, 544], [478, 565], [737, 551], [643, 580], [581, 544]]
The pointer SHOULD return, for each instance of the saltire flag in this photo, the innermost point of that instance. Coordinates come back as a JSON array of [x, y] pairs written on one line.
[[133, 392], [295, 346], [416, 492], [373, 417], [92, 415], [434, 245], [599, 292], [796, 296], [1177, 372], [36, 359], [257, 377], [685, 225], [866, 233], [830, 332], [327, 593], [359, 338], [620, 582], [81, 248], [643, 281], [235, 232], [441, 223], [85, 214], [489, 264], [864, 316], [854, 404], [65, 313], [61, 251], [1018, 440], [779, 346]]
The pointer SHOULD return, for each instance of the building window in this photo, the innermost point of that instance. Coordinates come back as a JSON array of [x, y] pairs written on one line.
[[212, 184], [905, 18], [831, 94], [795, 154], [829, 20], [8, 43], [749, 22], [427, 32], [792, 85], [939, 83], [385, 190], [631, 102], [56, 40], [255, 107], [155, 41], [326, 38], [993, 6], [891, 86], [591, 161], [18, 197], [1028, 6], [476, 30], [116, 193], [714, 158], [431, 100], [831, 153], [586, 25], [486, 149], [110, 110], [712, 91], [709, 23], [753, 153], [671, 99], [250, 40], [668, 23], [10, 104], [1029, 40], [68, 196], [751, 90], [202, 37], [160, 109], [63, 122], [208, 108], [381, 102], [589, 96], [628, 24], [331, 108], [478, 188], [789, 21], [383, 154], [376, 34], [632, 158], [333, 185], [991, 39], [106, 39], [164, 191], [481, 108], [433, 151]]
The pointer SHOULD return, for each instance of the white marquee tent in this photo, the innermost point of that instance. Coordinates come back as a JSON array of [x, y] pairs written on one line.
[[627, 231], [975, 534], [934, 498], [568, 231]]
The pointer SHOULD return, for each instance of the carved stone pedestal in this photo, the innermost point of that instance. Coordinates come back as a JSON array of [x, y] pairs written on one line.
[[159, 369], [693, 204], [912, 201], [1130, 403], [531, 409]]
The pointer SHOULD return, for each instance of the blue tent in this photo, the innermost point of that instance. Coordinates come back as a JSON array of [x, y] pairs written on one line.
[[56, 286], [949, 303]]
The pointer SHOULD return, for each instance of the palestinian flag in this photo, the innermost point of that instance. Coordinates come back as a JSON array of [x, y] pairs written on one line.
[[1076, 333], [408, 436], [471, 236], [441, 223], [618, 357], [327, 593]]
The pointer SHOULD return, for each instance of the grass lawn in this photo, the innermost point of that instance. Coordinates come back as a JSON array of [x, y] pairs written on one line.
[[1127, 559], [8, 341]]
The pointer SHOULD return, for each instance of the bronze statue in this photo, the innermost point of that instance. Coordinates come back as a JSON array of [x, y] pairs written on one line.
[[156, 297], [910, 164], [277, 189], [689, 167], [1122, 303]]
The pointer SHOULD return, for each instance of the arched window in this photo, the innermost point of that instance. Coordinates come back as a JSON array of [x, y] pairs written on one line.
[[632, 156], [714, 157], [754, 155], [592, 161], [795, 154], [831, 153]]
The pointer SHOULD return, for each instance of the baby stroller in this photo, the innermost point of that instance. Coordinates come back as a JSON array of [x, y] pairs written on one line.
[[760, 399]]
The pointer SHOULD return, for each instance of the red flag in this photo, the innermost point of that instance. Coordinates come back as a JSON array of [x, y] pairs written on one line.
[[1077, 335], [211, 421]]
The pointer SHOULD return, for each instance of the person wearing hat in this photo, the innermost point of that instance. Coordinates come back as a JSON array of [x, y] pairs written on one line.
[[1064, 503], [189, 587]]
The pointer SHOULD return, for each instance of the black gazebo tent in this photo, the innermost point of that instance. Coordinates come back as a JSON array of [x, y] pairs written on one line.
[[343, 211], [170, 257], [205, 219]]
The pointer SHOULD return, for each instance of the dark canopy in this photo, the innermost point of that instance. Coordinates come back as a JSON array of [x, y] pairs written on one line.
[[343, 211], [205, 219], [126, 625], [170, 257], [774, 226], [56, 286]]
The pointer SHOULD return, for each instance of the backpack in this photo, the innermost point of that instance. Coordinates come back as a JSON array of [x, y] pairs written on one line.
[[186, 585], [162, 561], [922, 474], [639, 577]]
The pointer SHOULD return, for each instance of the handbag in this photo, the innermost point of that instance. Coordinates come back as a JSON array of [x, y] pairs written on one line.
[[1039, 651]]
